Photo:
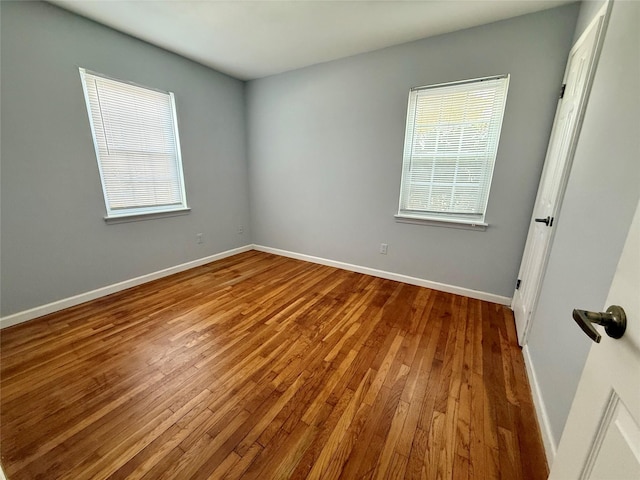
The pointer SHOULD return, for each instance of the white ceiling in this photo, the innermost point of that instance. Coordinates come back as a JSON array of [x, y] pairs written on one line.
[[253, 39]]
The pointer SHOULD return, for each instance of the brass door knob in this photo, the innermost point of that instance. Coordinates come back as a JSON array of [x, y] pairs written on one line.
[[614, 321]]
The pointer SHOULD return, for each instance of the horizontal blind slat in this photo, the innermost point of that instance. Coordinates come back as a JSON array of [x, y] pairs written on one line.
[[137, 148], [450, 146]]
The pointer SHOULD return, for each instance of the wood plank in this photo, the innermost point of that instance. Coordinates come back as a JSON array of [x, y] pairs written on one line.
[[259, 366]]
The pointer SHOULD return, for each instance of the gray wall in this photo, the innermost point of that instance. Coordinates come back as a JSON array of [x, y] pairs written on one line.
[[599, 203], [325, 151], [588, 11], [55, 243]]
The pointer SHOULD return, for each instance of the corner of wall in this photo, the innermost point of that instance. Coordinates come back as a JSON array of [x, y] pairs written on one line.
[[41, 310]]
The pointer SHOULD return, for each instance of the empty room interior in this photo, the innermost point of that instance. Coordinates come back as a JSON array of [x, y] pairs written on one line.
[[316, 239]]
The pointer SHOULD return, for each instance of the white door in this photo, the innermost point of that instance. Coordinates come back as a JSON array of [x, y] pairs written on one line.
[[601, 439], [566, 127]]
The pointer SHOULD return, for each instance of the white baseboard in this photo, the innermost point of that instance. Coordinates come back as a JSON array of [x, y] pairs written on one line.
[[550, 446], [39, 311], [443, 287], [35, 312]]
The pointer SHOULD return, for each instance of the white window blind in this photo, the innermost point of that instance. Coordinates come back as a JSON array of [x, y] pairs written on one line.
[[137, 146], [450, 147]]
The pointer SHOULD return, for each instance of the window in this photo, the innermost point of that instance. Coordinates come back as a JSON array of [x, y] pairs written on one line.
[[135, 135], [450, 147]]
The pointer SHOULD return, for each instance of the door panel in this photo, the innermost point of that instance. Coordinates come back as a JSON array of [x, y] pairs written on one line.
[[617, 447]]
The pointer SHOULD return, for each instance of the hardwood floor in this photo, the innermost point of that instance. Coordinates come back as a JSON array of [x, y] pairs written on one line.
[[259, 366]]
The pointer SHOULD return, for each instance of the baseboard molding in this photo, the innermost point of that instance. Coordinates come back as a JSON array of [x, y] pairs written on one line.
[[39, 311], [550, 446], [443, 287], [36, 312]]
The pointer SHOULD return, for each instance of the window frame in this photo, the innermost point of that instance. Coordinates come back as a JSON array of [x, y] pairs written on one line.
[[143, 212], [474, 221]]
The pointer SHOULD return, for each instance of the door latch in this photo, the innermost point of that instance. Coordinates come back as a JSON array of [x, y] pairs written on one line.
[[547, 221]]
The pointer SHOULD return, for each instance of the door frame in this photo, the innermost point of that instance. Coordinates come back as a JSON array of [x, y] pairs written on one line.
[[600, 21]]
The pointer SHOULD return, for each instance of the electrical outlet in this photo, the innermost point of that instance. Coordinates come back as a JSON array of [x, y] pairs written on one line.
[[383, 248], [240, 229], [199, 237]]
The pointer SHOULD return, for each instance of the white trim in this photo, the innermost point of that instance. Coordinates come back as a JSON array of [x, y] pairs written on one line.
[[460, 82], [41, 310], [138, 217], [116, 287], [443, 287], [441, 222], [605, 422], [550, 445], [2, 477]]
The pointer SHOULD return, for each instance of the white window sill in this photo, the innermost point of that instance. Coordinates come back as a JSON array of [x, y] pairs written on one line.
[[138, 217], [442, 222]]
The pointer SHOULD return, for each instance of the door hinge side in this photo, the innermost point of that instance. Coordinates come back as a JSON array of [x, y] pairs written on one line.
[[518, 284], [562, 89]]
